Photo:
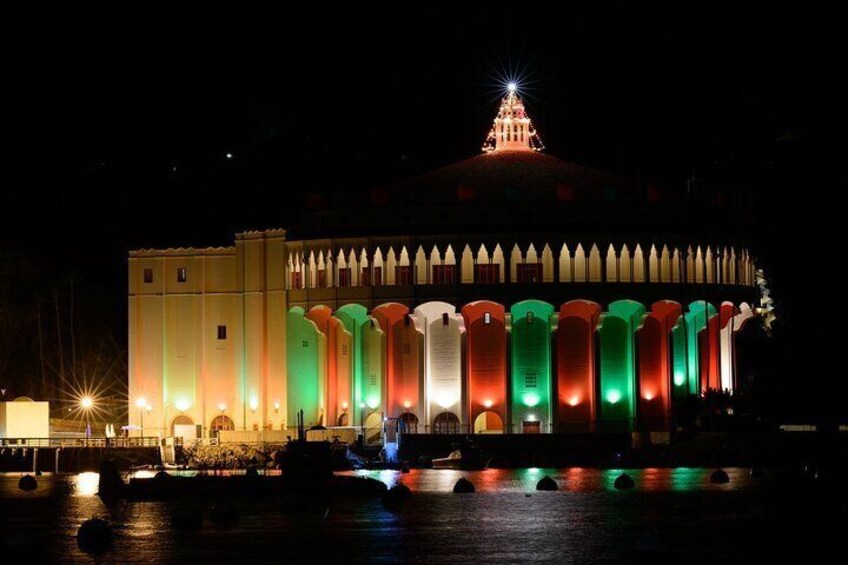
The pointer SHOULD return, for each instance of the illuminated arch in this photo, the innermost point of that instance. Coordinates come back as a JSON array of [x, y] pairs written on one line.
[[547, 264], [467, 266], [654, 405], [220, 423], [531, 362], [180, 420], [498, 259], [579, 264], [514, 260], [446, 423], [624, 265], [421, 275], [353, 265], [595, 264], [305, 364], [710, 266], [391, 264], [403, 378], [488, 422], [485, 356], [575, 342], [565, 274], [618, 371], [638, 265], [689, 259], [675, 266], [409, 422], [312, 276], [612, 265], [653, 265], [442, 358], [353, 317], [665, 265]]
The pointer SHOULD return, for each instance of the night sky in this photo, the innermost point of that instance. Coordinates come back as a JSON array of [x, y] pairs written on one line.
[[116, 123]]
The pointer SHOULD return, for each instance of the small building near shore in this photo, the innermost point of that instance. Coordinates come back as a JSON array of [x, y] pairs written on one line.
[[24, 418]]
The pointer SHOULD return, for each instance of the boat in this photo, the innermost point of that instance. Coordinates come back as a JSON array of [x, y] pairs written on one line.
[[307, 473], [469, 457]]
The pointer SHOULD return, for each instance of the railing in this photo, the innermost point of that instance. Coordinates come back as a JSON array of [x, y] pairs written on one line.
[[119, 442]]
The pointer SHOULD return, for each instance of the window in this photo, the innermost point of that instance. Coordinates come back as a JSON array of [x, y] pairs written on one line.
[[222, 332], [305, 343], [530, 317], [529, 272], [365, 277], [322, 278], [296, 280], [148, 275], [377, 273], [530, 379], [407, 348], [444, 274], [344, 349], [485, 274], [403, 274], [487, 318], [344, 276], [181, 274]]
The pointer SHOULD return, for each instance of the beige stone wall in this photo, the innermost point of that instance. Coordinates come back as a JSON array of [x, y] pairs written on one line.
[[177, 363]]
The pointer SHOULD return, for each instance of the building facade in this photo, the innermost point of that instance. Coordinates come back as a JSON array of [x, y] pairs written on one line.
[[511, 292]]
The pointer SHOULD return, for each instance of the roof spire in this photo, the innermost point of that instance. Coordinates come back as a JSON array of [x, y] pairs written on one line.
[[512, 130]]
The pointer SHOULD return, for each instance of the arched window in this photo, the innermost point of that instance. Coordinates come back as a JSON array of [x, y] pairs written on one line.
[[221, 422], [181, 420], [446, 423], [410, 423]]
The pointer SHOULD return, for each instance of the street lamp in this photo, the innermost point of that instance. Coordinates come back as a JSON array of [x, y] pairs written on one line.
[[141, 404]]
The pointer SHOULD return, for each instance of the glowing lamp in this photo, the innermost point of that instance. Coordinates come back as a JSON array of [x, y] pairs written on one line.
[[445, 399], [149, 408], [679, 379], [229, 155], [530, 399], [222, 406], [407, 405], [373, 403], [344, 406], [276, 406], [141, 402], [488, 403], [531, 418], [574, 401], [613, 396], [182, 404], [362, 405], [512, 87], [254, 404], [648, 396], [86, 402], [533, 470]]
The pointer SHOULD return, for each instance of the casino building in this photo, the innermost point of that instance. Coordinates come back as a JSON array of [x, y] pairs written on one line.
[[510, 292]]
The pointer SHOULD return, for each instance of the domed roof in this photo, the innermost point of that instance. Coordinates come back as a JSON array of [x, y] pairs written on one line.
[[490, 175]]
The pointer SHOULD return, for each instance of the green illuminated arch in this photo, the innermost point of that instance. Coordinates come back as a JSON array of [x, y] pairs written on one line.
[[618, 362], [305, 355], [531, 362], [353, 316]]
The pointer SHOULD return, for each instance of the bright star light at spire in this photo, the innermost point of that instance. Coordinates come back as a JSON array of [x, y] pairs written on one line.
[[512, 129]]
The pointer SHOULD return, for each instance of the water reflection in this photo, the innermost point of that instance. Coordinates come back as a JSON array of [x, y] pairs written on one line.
[[585, 520], [85, 484]]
